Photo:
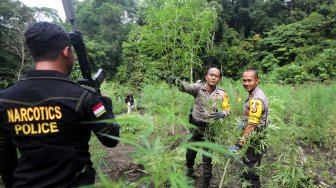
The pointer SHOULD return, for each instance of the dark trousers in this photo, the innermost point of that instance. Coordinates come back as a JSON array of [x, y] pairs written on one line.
[[252, 162], [252, 159], [198, 135], [85, 178]]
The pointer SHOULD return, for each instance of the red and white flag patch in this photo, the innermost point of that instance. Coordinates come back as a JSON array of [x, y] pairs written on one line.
[[99, 109]]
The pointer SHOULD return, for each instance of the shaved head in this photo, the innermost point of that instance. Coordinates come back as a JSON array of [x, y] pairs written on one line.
[[255, 72], [214, 69], [250, 80]]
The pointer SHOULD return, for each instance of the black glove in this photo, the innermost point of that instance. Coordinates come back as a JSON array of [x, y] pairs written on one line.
[[172, 79], [241, 125], [234, 148], [217, 115]]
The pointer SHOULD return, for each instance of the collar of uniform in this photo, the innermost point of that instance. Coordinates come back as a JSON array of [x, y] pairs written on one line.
[[205, 88], [254, 91], [45, 73]]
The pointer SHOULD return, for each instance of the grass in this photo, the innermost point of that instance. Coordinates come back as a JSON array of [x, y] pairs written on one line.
[[300, 138]]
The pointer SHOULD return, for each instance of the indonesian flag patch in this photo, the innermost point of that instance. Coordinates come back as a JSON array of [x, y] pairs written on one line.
[[98, 110]]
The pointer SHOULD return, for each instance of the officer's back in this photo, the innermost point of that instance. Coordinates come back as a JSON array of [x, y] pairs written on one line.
[[42, 116]]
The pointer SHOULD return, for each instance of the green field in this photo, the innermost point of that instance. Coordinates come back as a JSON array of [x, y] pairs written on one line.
[[291, 43], [300, 138]]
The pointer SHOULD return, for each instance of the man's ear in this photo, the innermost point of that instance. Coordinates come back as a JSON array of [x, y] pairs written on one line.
[[66, 52]]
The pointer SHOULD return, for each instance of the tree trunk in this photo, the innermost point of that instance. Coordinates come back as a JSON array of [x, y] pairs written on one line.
[[22, 58], [191, 73]]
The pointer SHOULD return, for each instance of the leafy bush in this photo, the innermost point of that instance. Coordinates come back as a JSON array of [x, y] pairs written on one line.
[[290, 74], [299, 116], [323, 66]]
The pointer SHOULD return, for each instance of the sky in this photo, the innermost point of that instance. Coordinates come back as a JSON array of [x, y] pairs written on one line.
[[55, 4]]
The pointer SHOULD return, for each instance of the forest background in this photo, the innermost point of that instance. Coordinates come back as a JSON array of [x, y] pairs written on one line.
[[139, 43]]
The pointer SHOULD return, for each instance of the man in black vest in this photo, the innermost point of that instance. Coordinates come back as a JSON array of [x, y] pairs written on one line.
[[47, 118], [130, 101]]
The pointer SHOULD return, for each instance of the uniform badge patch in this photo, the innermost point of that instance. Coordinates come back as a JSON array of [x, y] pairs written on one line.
[[255, 111], [98, 110], [225, 103], [255, 105]]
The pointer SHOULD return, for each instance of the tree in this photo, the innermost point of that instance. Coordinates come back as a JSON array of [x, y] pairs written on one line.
[[14, 18], [105, 25], [173, 35], [44, 13]]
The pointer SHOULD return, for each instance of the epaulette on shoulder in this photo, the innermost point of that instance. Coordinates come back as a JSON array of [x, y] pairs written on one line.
[[220, 89], [89, 88]]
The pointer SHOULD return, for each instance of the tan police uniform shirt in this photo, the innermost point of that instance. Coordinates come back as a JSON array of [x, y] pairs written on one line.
[[205, 102], [256, 109]]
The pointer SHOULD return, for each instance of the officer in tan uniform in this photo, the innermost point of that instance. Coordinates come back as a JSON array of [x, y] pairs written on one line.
[[255, 118], [211, 102]]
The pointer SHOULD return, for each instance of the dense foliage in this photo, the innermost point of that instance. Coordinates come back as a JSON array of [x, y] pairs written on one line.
[[13, 57], [300, 143], [169, 41], [139, 41]]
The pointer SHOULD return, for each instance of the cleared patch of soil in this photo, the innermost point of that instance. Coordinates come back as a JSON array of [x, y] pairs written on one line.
[[119, 164]]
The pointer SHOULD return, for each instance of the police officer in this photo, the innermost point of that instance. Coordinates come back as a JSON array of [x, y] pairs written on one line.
[[255, 119], [47, 118], [210, 102]]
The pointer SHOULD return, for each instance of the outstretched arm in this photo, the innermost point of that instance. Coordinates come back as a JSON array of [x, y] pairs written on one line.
[[192, 89]]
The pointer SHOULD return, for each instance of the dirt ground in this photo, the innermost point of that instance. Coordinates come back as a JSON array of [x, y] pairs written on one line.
[[118, 163]]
